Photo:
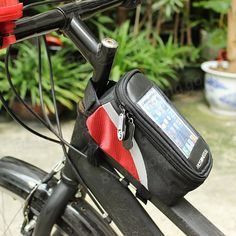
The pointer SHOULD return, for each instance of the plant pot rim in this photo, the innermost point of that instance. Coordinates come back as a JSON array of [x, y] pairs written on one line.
[[207, 67]]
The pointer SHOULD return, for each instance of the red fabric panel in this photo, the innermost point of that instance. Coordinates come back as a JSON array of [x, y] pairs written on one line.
[[104, 132]]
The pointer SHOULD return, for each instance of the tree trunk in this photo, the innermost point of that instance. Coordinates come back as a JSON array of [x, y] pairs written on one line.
[[231, 50], [149, 21], [159, 21], [137, 20], [176, 27], [182, 32], [122, 15], [188, 24]]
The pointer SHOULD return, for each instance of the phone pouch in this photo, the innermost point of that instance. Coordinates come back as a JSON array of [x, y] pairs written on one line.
[[145, 138]]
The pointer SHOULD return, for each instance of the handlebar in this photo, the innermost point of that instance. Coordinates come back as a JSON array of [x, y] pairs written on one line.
[[48, 21], [58, 18]]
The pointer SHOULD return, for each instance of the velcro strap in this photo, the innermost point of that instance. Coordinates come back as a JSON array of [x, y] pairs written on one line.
[[90, 97], [143, 194], [94, 153]]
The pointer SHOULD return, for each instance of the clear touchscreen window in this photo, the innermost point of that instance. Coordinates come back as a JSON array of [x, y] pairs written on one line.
[[156, 107]]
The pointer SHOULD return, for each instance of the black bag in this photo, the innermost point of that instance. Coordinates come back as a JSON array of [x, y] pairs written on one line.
[[146, 139]]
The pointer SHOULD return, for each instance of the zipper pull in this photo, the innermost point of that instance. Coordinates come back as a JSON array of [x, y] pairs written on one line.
[[128, 142], [121, 132]]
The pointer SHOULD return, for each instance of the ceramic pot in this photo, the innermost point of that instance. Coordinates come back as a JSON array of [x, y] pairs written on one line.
[[220, 88]]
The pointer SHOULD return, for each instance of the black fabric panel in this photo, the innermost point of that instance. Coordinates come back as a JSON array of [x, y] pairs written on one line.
[[90, 97], [164, 181], [196, 155]]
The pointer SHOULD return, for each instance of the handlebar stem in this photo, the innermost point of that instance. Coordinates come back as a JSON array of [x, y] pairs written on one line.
[[99, 54], [68, 19]]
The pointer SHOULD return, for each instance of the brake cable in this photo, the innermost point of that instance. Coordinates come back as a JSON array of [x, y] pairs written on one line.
[[46, 122], [44, 3], [32, 112], [50, 175], [47, 125], [76, 172]]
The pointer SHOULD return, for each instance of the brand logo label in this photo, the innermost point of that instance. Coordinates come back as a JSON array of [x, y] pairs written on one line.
[[203, 157]]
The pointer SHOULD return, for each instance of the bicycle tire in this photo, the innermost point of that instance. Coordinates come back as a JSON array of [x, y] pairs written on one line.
[[79, 217]]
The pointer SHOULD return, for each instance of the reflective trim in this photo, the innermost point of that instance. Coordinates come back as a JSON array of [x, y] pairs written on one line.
[[134, 151], [111, 113], [139, 163]]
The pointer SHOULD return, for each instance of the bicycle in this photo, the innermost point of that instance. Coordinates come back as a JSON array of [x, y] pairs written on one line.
[[50, 201]]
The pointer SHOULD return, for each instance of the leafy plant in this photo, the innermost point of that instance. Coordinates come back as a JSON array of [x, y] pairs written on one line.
[[169, 7], [158, 60], [216, 39], [69, 77], [223, 8], [214, 34], [155, 14], [218, 6], [217, 11]]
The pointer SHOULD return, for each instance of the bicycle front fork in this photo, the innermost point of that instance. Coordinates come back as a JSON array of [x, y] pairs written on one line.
[[55, 206]]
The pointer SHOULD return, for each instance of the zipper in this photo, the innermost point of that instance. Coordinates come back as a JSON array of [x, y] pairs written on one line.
[[121, 131], [127, 104], [126, 128]]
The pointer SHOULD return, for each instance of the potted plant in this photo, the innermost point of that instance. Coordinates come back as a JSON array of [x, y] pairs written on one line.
[[70, 79], [220, 77]]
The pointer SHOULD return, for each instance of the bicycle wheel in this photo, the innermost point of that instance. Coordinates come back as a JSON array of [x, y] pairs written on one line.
[[17, 178]]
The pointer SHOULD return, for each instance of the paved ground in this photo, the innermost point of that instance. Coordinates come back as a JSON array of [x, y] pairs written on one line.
[[216, 198]]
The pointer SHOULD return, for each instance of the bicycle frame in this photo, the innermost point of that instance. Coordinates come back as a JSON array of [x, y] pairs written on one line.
[[68, 19]]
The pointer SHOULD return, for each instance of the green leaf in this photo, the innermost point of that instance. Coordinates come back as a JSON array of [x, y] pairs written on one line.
[[65, 102], [49, 104], [218, 6], [23, 89]]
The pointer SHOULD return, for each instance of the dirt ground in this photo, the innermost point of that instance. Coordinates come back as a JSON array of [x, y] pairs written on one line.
[[216, 198]]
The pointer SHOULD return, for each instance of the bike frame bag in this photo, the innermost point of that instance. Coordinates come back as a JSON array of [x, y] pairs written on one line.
[[144, 137]]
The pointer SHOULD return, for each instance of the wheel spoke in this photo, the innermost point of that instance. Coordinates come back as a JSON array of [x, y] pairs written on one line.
[[8, 218], [2, 213]]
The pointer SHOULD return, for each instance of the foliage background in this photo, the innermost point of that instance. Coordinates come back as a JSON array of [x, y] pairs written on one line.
[[160, 38]]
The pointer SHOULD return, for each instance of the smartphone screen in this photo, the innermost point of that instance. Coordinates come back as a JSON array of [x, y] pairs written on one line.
[[169, 121]]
